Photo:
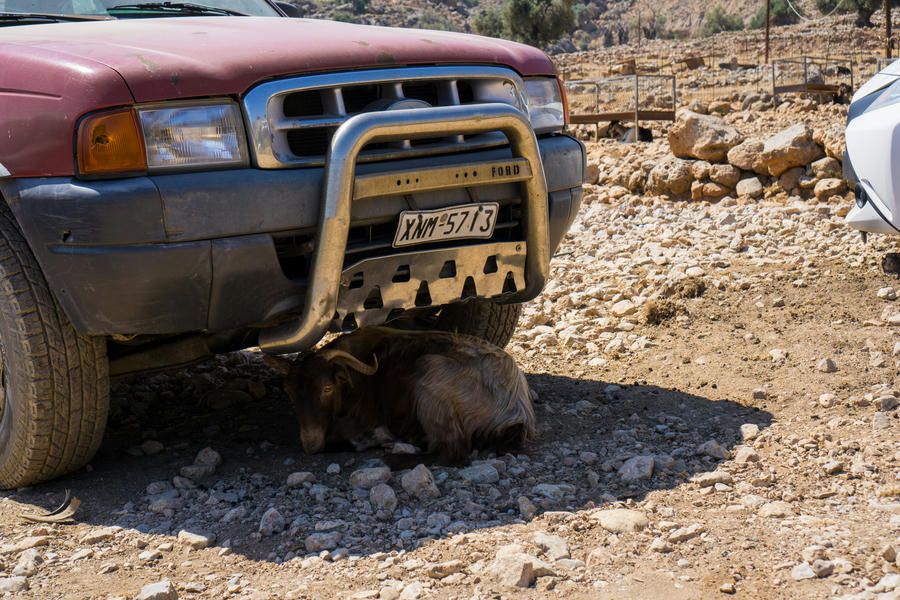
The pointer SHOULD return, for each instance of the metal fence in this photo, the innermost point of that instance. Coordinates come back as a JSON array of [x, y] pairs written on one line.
[[819, 75], [711, 77], [633, 98], [622, 94]]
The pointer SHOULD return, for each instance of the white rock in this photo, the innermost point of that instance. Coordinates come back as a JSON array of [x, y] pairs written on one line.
[[712, 478], [752, 501], [623, 308], [382, 497], [272, 522], [749, 431], [514, 568], [888, 583], [317, 542], [686, 533], [412, 591], [555, 547], [28, 563], [745, 454], [208, 456], [444, 569], [196, 539], [802, 571], [419, 482], [196, 472], [554, 491], [833, 466], [880, 421], [480, 473], [777, 509], [149, 555], [98, 536], [827, 400], [636, 468], [621, 520], [778, 354], [751, 187], [296, 480], [161, 590], [887, 293], [826, 365], [811, 554], [368, 478], [11, 585]]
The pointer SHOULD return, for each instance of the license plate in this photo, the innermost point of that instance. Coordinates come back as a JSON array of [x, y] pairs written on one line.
[[451, 223]]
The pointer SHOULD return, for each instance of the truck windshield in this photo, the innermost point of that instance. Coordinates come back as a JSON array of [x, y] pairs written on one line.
[[130, 8]]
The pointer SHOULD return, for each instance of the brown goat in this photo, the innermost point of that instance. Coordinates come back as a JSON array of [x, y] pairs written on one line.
[[447, 391]]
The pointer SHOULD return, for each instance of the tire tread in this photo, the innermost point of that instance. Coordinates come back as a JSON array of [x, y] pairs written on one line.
[[61, 375]]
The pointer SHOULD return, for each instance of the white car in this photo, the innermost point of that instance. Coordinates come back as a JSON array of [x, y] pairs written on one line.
[[873, 151]]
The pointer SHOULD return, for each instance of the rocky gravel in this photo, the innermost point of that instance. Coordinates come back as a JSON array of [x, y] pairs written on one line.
[[716, 390]]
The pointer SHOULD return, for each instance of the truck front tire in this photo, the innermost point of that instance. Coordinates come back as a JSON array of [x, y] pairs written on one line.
[[54, 385], [493, 322]]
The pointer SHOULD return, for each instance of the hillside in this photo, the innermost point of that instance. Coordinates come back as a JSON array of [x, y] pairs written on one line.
[[600, 23]]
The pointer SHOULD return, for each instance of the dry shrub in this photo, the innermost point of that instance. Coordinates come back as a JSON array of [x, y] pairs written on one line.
[[657, 311], [692, 287]]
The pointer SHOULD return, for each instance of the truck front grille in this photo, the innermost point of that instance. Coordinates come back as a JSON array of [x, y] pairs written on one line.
[[291, 121]]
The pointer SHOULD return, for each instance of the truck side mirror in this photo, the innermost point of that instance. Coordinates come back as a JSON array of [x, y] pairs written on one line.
[[289, 9]]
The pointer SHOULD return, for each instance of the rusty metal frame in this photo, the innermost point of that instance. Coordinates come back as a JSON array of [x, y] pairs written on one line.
[[338, 191]]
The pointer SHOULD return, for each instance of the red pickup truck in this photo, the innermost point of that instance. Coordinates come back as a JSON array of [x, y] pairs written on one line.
[[184, 179]]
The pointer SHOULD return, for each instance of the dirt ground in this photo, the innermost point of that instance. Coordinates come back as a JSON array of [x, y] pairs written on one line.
[[818, 482]]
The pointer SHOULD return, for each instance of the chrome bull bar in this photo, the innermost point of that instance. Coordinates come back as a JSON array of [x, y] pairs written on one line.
[[339, 180]]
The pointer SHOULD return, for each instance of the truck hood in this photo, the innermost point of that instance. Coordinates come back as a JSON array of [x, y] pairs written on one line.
[[165, 58]]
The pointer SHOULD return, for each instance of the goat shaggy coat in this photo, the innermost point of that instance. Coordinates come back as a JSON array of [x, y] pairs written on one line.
[[447, 391]]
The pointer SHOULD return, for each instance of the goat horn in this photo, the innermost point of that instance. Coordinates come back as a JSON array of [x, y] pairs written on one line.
[[353, 362]]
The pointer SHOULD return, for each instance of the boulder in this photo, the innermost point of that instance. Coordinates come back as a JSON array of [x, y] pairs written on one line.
[[702, 136], [747, 156], [832, 140], [592, 172], [698, 106], [720, 107], [621, 520], [514, 568], [791, 147], [726, 175], [826, 188], [696, 190], [750, 187], [826, 167], [672, 176], [419, 482], [700, 169], [790, 179], [714, 190]]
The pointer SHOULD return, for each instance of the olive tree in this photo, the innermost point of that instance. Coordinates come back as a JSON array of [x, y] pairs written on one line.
[[864, 8], [535, 22]]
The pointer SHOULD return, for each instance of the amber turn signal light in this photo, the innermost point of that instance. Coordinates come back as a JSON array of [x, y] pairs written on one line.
[[111, 143]]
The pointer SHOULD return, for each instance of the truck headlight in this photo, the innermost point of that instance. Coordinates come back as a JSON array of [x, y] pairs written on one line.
[[162, 137], [546, 101], [193, 135]]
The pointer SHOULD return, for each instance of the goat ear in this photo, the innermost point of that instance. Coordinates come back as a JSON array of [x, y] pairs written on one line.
[[282, 365]]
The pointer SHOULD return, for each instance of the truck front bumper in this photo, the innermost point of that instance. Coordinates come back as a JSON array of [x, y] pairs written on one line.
[[199, 251]]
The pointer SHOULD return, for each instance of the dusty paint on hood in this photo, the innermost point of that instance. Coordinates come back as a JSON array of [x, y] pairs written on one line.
[[165, 58]]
